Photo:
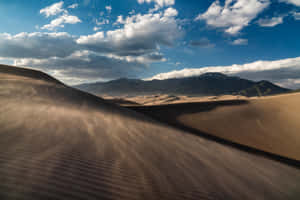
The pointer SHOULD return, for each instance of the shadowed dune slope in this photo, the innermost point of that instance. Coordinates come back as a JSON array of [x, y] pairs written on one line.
[[269, 124], [60, 143]]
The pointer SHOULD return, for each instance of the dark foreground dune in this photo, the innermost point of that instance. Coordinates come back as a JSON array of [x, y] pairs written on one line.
[[60, 143]]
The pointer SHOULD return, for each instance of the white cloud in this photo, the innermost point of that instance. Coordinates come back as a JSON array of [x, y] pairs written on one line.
[[234, 15], [104, 21], [91, 39], [160, 3], [108, 9], [120, 20], [271, 22], [240, 41], [54, 9], [141, 34], [37, 45], [171, 12], [61, 21], [148, 58], [123, 52], [100, 23], [82, 66], [294, 2], [73, 6], [96, 28], [296, 15], [278, 71]]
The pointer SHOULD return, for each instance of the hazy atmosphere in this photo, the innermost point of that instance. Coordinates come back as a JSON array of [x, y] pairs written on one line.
[[82, 41]]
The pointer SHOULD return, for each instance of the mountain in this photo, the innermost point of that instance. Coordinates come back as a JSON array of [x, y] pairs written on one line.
[[203, 85]]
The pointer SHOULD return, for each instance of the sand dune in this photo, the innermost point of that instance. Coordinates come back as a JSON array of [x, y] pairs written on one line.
[[270, 124], [152, 100], [60, 143]]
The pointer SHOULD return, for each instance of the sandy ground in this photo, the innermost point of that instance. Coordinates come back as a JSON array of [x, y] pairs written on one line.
[[270, 123], [150, 100], [60, 143]]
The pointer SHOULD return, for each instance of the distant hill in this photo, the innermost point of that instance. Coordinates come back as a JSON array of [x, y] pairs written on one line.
[[204, 85]]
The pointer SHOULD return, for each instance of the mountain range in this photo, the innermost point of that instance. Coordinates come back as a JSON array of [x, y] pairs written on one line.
[[209, 84]]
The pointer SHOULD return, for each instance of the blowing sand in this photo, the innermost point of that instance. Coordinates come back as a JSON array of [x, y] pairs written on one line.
[[60, 143]]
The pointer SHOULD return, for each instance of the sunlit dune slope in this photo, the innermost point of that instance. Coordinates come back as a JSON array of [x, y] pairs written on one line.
[[270, 124], [60, 143]]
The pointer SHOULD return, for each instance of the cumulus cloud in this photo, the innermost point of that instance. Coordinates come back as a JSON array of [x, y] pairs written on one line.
[[73, 6], [91, 39], [96, 28], [61, 21], [102, 22], [296, 15], [279, 71], [294, 2], [171, 12], [271, 22], [60, 55], [54, 9], [36, 45], [123, 52], [234, 15], [108, 9], [140, 34], [120, 20], [160, 3], [99, 23], [82, 66], [148, 58], [240, 41]]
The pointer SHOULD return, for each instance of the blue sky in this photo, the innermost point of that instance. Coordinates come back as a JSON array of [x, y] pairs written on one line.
[[80, 41]]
